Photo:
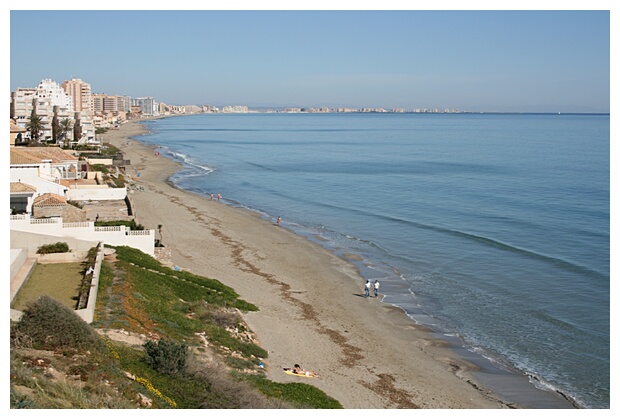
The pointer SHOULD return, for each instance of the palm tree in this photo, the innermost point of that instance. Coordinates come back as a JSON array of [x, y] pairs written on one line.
[[35, 126], [65, 126]]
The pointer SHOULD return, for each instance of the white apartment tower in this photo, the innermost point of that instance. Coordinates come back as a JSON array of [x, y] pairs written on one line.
[[147, 104], [48, 97], [50, 93], [43, 99]]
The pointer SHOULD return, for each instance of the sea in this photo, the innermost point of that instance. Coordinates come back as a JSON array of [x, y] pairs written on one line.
[[493, 230]]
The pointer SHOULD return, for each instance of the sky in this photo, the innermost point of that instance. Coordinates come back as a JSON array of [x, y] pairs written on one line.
[[472, 60]]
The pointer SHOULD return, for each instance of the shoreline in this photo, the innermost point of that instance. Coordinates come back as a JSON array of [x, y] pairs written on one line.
[[369, 354]]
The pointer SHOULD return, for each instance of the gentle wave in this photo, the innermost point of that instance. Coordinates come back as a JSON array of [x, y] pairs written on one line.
[[558, 262], [191, 162]]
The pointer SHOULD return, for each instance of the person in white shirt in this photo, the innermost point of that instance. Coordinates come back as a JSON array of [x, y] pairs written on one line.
[[376, 288]]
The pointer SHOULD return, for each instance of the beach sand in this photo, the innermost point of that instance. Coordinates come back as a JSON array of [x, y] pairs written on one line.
[[312, 307]]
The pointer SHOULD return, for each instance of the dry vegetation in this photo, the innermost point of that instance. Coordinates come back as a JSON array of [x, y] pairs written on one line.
[[193, 349]]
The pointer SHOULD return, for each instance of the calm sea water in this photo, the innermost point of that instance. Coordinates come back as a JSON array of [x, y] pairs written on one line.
[[492, 229]]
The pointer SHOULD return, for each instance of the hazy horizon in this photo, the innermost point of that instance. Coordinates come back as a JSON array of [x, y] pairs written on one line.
[[479, 61]]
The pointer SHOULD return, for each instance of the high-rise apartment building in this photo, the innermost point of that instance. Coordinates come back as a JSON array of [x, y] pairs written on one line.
[[147, 105], [110, 109], [22, 104], [80, 93], [46, 100]]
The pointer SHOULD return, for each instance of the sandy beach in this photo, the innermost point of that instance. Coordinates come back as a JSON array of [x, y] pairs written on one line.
[[312, 308]]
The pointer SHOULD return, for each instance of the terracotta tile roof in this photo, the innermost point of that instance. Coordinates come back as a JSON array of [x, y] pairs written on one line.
[[49, 199], [26, 155], [19, 157], [19, 187]]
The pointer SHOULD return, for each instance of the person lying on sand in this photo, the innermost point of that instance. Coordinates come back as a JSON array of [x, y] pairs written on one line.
[[297, 370]]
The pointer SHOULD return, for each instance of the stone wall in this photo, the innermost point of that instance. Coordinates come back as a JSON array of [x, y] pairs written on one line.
[[164, 255]]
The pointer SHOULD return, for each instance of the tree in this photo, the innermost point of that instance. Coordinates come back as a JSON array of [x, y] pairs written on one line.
[[77, 130], [35, 126], [55, 128], [65, 126]]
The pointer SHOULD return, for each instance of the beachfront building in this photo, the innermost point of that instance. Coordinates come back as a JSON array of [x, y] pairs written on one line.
[[80, 94], [110, 110], [45, 100], [235, 109], [56, 171], [46, 169], [22, 197], [165, 109], [148, 106], [49, 100], [23, 100], [124, 103]]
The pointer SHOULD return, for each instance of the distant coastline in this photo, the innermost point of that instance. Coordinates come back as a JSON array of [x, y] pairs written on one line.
[[284, 111]]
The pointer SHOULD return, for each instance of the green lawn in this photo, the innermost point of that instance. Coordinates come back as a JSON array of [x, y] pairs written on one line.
[[60, 281]]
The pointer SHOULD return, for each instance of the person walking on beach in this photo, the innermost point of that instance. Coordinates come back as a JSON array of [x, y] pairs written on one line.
[[368, 285], [219, 196], [211, 197], [278, 220], [376, 288]]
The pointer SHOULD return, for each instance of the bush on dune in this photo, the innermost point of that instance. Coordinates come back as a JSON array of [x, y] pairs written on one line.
[[48, 324]]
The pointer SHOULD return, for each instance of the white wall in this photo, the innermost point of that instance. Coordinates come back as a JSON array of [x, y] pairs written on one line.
[[30, 175], [143, 240], [18, 258], [31, 241], [96, 193], [107, 162]]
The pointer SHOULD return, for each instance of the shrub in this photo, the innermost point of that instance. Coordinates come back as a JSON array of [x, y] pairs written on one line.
[[119, 181], [50, 325], [59, 247], [21, 401], [100, 168], [165, 356], [230, 392]]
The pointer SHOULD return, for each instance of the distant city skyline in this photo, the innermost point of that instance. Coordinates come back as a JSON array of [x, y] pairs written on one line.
[[491, 61]]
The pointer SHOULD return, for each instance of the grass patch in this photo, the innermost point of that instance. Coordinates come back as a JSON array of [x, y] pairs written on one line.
[[185, 285], [301, 395], [60, 281]]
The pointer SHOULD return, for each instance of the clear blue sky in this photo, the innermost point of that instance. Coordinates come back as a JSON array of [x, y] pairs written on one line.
[[524, 61]]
